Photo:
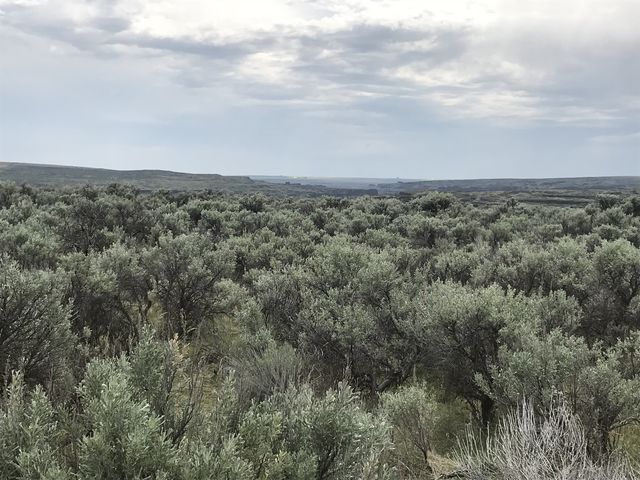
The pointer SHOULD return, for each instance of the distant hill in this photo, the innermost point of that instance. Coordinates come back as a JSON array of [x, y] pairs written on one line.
[[58, 176], [397, 185], [551, 191], [576, 191], [359, 183], [622, 184]]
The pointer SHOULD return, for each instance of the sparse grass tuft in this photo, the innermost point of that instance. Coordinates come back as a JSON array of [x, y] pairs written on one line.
[[526, 448]]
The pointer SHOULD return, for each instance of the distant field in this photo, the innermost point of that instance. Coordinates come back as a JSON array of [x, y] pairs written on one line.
[[622, 184], [390, 185], [561, 192], [548, 191], [334, 182]]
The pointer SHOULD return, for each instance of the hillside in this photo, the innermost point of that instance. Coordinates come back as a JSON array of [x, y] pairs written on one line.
[[619, 184], [399, 185], [549, 191], [58, 176]]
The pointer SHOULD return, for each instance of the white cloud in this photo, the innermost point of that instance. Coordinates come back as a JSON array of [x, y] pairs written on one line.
[[377, 65], [497, 49]]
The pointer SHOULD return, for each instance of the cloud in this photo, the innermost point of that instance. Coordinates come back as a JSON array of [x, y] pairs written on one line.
[[528, 68], [371, 72]]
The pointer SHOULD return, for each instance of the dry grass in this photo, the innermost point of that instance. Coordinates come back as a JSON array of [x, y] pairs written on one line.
[[524, 448]]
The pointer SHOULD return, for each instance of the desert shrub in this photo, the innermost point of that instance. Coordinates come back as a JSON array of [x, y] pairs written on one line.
[[29, 435], [263, 367], [264, 308], [125, 439], [335, 430], [35, 335], [170, 380], [295, 434], [411, 411], [526, 447], [420, 424], [187, 273]]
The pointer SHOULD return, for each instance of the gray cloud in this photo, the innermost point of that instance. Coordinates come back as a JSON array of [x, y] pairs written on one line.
[[399, 87], [184, 46], [105, 30], [362, 58], [111, 24]]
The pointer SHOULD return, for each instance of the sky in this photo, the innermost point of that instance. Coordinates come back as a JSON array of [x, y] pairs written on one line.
[[371, 88]]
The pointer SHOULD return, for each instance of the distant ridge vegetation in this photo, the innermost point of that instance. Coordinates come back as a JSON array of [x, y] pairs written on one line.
[[551, 191], [622, 184], [60, 176], [397, 185], [561, 192]]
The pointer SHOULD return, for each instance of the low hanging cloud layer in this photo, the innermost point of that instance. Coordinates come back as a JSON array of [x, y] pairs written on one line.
[[455, 89]]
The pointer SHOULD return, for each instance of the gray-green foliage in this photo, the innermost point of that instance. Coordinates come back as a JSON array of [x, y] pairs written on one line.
[[206, 335], [125, 439], [617, 276], [35, 334], [413, 415], [295, 434], [29, 435], [264, 367], [129, 421], [347, 303], [163, 375], [110, 291], [593, 381], [344, 440], [187, 272]]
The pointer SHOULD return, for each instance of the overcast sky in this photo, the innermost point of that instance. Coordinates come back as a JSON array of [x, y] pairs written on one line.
[[397, 88]]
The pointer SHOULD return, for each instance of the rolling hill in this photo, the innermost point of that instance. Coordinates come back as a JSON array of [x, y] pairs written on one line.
[[550, 191], [59, 176]]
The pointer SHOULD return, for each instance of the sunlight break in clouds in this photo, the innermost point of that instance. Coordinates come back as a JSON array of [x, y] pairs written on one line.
[[357, 87]]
